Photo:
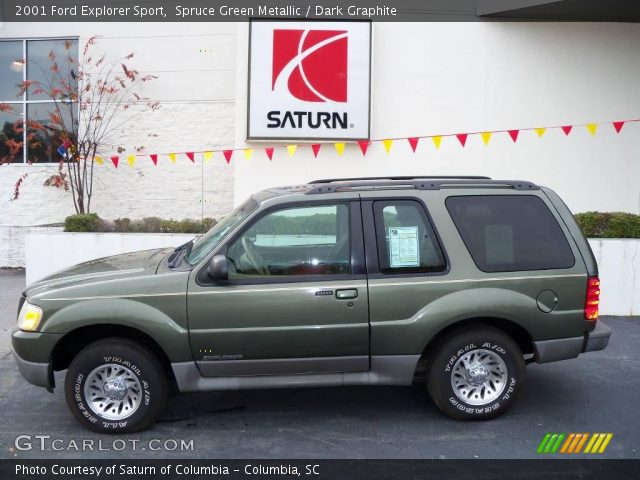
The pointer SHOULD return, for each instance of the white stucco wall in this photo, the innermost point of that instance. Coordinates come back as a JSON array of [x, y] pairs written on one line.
[[439, 78], [618, 260], [196, 67], [78, 247]]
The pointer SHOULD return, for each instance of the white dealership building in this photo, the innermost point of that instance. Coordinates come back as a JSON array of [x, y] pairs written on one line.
[[403, 80]]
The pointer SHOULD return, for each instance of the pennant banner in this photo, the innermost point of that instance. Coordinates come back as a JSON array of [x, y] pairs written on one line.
[[486, 136], [315, 148]]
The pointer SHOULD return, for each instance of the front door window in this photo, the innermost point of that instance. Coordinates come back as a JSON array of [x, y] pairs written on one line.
[[299, 241]]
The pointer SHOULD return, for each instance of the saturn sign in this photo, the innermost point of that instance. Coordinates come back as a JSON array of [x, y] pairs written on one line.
[[309, 80]]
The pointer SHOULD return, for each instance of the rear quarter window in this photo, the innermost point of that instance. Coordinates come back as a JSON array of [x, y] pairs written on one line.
[[509, 233]]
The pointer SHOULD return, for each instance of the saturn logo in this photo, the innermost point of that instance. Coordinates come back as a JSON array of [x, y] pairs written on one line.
[[311, 64]]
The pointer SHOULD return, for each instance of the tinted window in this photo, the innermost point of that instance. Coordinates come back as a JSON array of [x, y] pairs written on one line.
[[406, 242], [311, 240], [506, 233]]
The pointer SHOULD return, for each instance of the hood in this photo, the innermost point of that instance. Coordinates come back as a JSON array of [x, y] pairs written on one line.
[[126, 265]]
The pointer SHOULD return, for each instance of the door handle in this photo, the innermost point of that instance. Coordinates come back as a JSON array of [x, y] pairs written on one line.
[[346, 294]]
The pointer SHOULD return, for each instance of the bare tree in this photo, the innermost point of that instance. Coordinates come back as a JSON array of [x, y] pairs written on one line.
[[93, 99]]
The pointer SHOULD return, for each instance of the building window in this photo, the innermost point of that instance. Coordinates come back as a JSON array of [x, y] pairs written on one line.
[[32, 59]]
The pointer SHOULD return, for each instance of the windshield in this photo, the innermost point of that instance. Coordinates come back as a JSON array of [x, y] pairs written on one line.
[[203, 245]]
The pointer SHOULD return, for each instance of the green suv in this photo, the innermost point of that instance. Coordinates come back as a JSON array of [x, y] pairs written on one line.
[[367, 281]]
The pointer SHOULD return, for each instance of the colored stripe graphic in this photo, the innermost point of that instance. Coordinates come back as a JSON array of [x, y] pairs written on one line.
[[551, 442], [573, 443], [598, 442]]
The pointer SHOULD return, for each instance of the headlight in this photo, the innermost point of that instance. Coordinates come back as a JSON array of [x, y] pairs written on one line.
[[29, 317]]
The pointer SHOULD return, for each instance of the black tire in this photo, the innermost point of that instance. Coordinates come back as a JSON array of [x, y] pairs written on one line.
[[141, 363], [496, 352]]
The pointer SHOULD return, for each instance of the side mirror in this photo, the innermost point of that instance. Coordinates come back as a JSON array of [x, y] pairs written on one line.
[[218, 269]]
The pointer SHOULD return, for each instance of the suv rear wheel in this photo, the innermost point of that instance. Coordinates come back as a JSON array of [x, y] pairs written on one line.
[[475, 373], [115, 385]]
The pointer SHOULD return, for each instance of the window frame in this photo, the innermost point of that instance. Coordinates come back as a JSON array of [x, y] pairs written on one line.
[[372, 240], [567, 237], [358, 270], [24, 101]]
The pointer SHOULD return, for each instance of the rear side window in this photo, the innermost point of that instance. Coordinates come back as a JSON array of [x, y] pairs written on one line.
[[406, 241], [508, 233]]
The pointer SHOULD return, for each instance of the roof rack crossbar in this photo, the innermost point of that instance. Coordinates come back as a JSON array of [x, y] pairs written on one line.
[[394, 178], [435, 183]]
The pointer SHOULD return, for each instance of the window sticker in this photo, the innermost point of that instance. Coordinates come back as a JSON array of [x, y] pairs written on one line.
[[403, 247]]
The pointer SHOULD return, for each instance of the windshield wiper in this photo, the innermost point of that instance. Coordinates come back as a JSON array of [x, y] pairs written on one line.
[[180, 252]]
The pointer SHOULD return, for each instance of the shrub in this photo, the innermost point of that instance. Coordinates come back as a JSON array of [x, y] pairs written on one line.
[[83, 222], [609, 224], [93, 223]]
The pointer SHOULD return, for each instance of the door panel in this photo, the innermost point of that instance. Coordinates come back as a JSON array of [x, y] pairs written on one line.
[[263, 322]]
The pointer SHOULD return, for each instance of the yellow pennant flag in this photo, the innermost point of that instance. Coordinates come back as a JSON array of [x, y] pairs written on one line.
[[540, 131], [131, 159], [437, 140], [247, 153], [486, 136], [387, 145], [339, 147], [592, 127], [99, 160], [207, 156], [291, 149], [172, 157]]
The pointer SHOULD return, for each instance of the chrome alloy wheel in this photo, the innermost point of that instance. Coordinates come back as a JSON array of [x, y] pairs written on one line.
[[113, 392], [479, 377]]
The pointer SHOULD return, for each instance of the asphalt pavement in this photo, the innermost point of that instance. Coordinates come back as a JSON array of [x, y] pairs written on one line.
[[598, 392]]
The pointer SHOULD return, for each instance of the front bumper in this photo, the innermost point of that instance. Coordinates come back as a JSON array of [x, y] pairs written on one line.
[[32, 354], [38, 374], [565, 348]]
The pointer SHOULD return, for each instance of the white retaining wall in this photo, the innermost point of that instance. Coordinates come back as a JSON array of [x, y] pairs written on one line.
[[48, 252]]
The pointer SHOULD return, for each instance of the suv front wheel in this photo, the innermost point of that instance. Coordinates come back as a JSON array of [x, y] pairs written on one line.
[[475, 373], [115, 385]]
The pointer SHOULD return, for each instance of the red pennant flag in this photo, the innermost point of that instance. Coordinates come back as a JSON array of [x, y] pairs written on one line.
[[316, 148], [364, 145], [567, 129], [190, 156], [414, 143], [514, 135], [154, 159], [115, 159], [462, 138], [227, 155], [618, 126], [268, 151]]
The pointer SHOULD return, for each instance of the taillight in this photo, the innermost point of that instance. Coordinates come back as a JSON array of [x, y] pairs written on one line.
[[593, 299]]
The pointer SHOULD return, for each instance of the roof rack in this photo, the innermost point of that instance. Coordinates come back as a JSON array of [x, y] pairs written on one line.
[[418, 183], [395, 178]]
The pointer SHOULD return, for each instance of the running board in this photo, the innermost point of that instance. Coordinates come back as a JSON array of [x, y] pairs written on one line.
[[385, 370]]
